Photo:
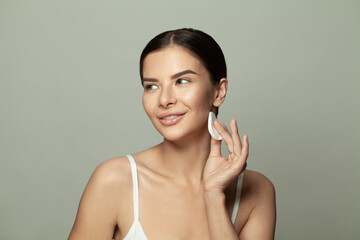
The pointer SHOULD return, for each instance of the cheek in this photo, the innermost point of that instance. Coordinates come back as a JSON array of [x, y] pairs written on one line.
[[199, 98], [146, 104]]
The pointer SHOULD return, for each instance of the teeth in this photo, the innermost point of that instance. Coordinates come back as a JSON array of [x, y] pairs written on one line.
[[170, 117]]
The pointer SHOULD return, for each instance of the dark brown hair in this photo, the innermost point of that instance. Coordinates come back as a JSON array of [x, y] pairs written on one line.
[[198, 42]]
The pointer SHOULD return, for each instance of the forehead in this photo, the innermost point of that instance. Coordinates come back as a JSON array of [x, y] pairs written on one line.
[[170, 60]]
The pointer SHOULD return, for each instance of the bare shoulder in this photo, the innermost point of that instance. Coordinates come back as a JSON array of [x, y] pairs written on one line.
[[109, 183], [112, 173], [260, 194], [110, 177], [258, 184], [100, 203]]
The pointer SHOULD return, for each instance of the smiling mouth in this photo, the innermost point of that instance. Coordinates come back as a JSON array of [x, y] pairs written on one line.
[[171, 119]]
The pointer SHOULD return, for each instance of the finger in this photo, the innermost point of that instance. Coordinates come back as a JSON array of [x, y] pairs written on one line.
[[215, 148], [245, 149], [225, 134], [236, 137], [244, 154]]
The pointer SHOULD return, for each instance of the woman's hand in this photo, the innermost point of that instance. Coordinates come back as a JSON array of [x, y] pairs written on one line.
[[220, 171]]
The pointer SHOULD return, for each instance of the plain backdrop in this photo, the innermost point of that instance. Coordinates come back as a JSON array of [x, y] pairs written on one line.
[[70, 98]]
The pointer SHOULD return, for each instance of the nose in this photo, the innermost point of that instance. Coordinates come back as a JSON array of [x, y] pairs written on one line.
[[167, 96]]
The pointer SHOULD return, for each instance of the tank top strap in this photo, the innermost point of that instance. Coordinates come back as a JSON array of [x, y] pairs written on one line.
[[237, 197], [135, 187]]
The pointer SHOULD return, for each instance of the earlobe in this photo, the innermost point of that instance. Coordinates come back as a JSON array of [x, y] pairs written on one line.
[[220, 92]]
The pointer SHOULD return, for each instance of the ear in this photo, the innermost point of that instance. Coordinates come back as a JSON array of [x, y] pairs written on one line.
[[220, 92]]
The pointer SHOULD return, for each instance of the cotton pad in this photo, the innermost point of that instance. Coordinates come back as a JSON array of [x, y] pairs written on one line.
[[214, 134]]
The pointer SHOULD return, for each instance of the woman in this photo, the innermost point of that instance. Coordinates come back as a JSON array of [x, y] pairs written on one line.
[[182, 188]]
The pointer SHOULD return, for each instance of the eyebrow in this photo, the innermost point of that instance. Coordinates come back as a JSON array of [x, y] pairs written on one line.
[[179, 74], [176, 75]]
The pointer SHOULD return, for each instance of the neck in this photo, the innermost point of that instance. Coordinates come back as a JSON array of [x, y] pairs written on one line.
[[185, 160]]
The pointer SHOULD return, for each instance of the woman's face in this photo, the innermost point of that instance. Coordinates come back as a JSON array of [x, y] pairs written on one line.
[[178, 93]]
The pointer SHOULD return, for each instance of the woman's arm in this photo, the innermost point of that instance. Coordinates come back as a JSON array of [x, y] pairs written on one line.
[[218, 173], [261, 222], [97, 213], [220, 225], [262, 219]]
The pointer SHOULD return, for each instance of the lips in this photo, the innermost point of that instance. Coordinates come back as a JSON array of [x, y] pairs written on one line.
[[169, 119]]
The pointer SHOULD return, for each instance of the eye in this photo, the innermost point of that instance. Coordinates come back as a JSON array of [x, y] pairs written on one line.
[[150, 87], [182, 81]]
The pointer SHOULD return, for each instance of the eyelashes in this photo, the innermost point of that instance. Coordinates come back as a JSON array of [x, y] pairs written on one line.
[[179, 81], [182, 81], [150, 87]]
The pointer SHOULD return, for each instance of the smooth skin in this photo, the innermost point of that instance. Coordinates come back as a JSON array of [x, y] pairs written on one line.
[[186, 187]]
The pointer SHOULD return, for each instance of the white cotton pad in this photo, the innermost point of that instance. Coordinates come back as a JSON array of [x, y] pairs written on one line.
[[214, 134]]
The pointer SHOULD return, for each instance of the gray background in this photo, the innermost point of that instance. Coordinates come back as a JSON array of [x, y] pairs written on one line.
[[70, 98]]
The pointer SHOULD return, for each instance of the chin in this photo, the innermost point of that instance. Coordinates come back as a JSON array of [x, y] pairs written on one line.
[[173, 136], [180, 135], [182, 131]]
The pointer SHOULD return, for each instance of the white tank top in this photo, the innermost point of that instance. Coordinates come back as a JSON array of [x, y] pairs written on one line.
[[136, 231]]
